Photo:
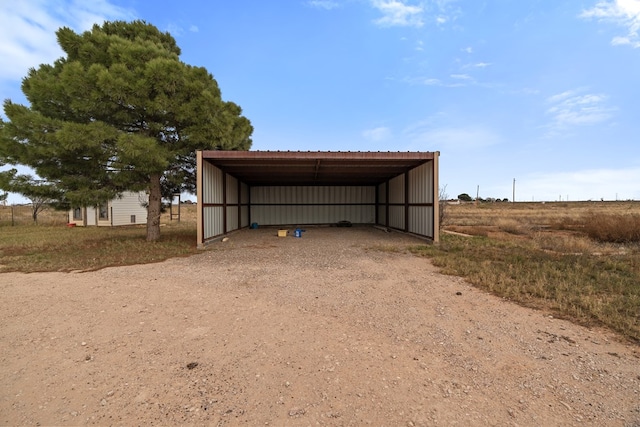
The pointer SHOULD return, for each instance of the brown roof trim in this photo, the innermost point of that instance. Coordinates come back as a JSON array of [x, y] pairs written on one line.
[[315, 167], [344, 155]]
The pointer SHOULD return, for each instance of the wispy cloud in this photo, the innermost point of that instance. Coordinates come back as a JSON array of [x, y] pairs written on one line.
[[377, 134], [576, 108], [624, 13], [425, 136], [453, 80], [177, 30], [461, 77], [405, 13], [27, 30], [396, 13], [324, 4]]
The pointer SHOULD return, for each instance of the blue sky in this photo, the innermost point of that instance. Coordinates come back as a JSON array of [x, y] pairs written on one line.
[[543, 92]]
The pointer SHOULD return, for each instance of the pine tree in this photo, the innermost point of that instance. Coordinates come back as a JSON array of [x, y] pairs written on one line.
[[120, 112]]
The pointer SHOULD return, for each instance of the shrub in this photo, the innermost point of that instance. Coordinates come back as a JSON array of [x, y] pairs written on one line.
[[613, 228]]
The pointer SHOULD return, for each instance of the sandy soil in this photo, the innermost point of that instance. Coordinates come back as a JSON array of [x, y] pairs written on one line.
[[340, 327]]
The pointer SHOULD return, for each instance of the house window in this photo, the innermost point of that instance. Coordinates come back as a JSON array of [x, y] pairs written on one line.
[[77, 214], [103, 212], [133, 219]]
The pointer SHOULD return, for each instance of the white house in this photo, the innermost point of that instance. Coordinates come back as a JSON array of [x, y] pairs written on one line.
[[127, 210]]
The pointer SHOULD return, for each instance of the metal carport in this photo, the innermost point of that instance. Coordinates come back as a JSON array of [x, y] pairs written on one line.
[[398, 190]]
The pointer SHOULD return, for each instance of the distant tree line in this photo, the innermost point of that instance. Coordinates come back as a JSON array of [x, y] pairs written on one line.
[[464, 197]]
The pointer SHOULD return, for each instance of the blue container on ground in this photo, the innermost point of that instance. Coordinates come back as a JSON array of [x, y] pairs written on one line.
[[297, 233]]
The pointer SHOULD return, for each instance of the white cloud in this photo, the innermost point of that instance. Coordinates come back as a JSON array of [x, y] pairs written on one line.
[[573, 108], [423, 136], [27, 30], [324, 4], [194, 29], [431, 82], [624, 13], [592, 184], [397, 13], [461, 76], [377, 134], [414, 13]]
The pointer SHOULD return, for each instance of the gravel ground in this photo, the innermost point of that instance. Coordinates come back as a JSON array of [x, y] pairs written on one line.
[[340, 327]]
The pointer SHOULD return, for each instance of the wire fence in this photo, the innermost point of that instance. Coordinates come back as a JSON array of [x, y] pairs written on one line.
[[15, 215]]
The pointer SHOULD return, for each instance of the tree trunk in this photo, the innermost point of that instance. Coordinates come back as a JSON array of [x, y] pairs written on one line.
[[153, 210]]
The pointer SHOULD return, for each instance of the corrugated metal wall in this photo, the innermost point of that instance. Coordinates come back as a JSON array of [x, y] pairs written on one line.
[[312, 205], [244, 205], [382, 204], [415, 214], [396, 202], [421, 200], [232, 203], [212, 198]]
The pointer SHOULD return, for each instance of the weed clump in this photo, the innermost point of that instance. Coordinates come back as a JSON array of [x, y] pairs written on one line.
[[613, 228]]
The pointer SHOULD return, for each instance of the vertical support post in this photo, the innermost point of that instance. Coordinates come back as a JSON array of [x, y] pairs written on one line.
[[406, 201], [199, 201], [249, 204], [386, 202], [224, 202], [376, 217], [239, 185], [436, 197]]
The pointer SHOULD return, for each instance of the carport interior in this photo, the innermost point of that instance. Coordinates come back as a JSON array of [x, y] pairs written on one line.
[[392, 189]]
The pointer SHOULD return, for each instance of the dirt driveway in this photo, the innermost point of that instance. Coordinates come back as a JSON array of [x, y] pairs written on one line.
[[340, 327]]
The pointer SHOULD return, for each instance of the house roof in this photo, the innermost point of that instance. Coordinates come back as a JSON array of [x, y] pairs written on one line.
[[315, 167]]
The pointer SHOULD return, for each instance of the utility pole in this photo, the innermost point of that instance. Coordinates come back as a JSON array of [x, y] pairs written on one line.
[[477, 194], [513, 200]]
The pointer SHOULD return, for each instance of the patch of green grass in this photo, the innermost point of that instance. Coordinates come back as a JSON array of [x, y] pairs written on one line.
[[31, 248], [590, 289]]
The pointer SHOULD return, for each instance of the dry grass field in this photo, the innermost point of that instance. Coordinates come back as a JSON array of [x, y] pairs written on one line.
[[579, 260], [52, 246]]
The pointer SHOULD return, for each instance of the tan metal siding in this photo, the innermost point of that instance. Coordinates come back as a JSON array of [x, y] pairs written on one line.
[[396, 217], [421, 184], [382, 205], [244, 216], [244, 193], [396, 202], [421, 220], [211, 184], [396, 189], [301, 214], [213, 221], [312, 205], [232, 190], [232, 218], [212, 194], [421, 193]]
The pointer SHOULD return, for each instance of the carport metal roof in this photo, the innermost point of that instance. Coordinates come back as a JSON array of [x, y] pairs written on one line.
[[315, 167]]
